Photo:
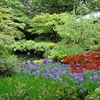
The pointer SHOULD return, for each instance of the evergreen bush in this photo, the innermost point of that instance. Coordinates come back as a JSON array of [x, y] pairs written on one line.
[[8, 62]]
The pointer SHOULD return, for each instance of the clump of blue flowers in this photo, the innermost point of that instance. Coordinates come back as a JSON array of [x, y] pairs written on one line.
[[85, 83]]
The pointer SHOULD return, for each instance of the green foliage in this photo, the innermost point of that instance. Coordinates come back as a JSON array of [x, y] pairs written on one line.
[[8, 26], [3, 49], [19, 90], [35, 7], [38, 62], [32, 45], [12, 18], [24, 87], [94, 96], [82, 9], [94, 5], [45, 23], [66, 93], [95, 47], [84, 33], [10, 29], [23, 45], [57, 6], [8, 65], [63, 50], [77, 37], [8, 62], [8, 40]]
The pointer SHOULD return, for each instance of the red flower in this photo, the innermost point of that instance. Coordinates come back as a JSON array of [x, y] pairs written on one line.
[[90, 61]]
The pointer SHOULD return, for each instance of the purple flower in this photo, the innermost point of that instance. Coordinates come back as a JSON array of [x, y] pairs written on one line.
[[91, 77], [81, 91], [51, 76], [85, 72], [48, 75], [25, 70], [56, 69], [37, 72], [98, 82], [84, 89], [68, 77], [77, 64], [81, 79], [95, 77], [91, 81], [28, 72], [58, 78], [19, 72], [57, 63], [80, 86], [48, 67], [75, 82], [32, 67], [65, 83], [63, 72], [47, 61]]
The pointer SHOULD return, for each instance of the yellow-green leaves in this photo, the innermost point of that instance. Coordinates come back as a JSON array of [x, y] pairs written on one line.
[[32, 45], [46, 23]]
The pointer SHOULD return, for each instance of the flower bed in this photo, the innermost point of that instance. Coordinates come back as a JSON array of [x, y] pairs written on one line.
[[60, 72], [87, 61], [50, 81]]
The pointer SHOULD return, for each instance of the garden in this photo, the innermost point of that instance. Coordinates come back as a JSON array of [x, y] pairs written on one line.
[[49, 50]]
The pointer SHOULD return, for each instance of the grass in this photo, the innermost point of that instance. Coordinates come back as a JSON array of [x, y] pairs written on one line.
[[21, 86]]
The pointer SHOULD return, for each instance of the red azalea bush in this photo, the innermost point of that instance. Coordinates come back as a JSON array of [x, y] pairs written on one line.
[[86, 61]]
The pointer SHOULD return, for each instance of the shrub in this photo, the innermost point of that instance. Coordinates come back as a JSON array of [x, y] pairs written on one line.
[[8, 65], [32, 45], [8, 62], [63, 50], [45, 23], [39, 48], [84, 33], [6, 39], [8, 26]]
